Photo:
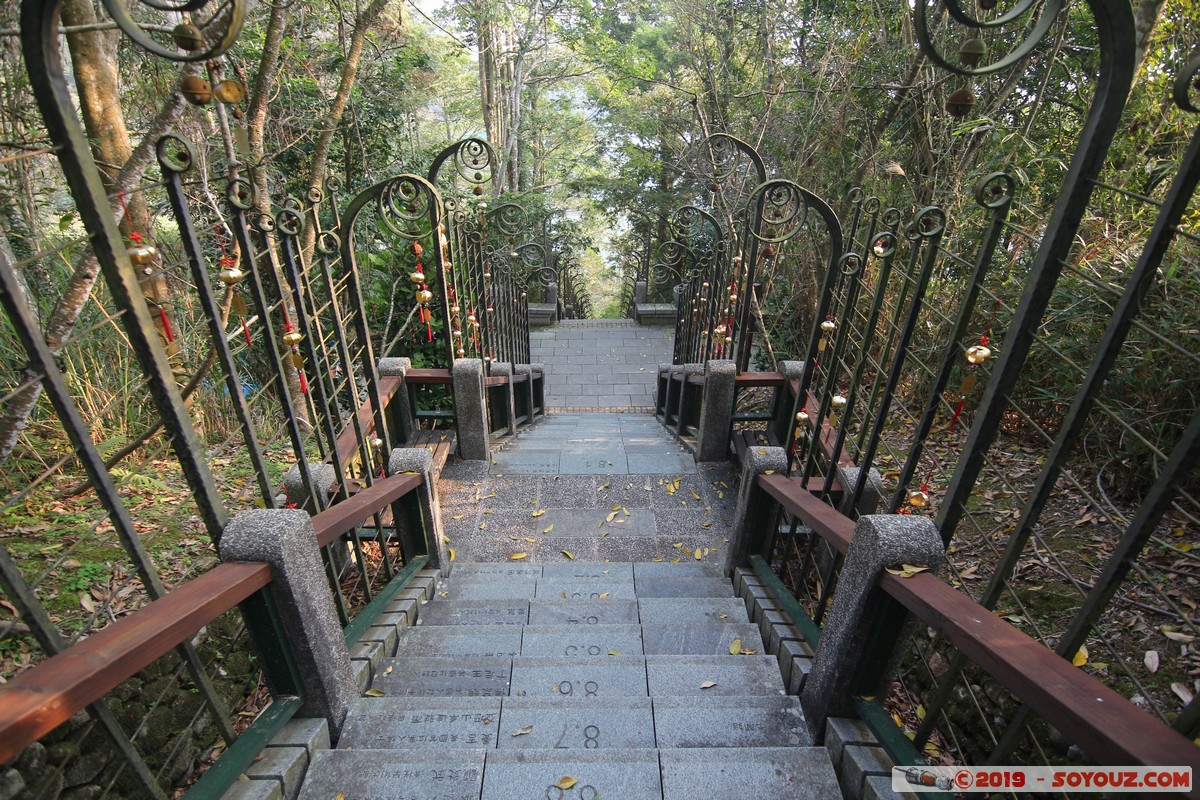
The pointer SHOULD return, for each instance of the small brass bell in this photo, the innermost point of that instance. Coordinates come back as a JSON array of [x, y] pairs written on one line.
[[230, 275], [972, 52], [229, 91], [960, 102], [978, 354], [487, 276], [918, 498], [187, 37], [377, 442], [417, 277], [424, 296], [470, 318], [292, 338], [802, 417], [829, 326], [196, 90], [839, 402], [416, 248], [140, 253], [461, 352]]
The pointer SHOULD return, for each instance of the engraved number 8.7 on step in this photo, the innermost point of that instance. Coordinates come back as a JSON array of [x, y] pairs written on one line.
[[581, 791], [589, 688]]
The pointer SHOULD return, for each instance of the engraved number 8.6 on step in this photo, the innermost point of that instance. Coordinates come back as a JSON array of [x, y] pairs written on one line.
[[589, 688], [580, 791]]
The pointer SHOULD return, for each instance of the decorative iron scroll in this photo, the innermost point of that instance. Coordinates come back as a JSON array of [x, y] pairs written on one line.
[[208, 28]]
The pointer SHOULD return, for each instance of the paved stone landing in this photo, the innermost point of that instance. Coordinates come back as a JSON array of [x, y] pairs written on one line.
[[637, 681], [593, 364], [602, 486]]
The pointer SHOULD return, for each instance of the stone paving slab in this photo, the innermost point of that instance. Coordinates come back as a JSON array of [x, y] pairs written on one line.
[[393, 723], [765, 773], [581, 641], [444, 677], [370, 774], [733, 675], [564, 678], [691, 610], [684, 569], [700, 639], [585, 589], [474, 612], [616, 775], [586, 723], [617, 570], [715, 721], [587, 612], [683, 587], [480, 589], [496, 571], [466, 641]]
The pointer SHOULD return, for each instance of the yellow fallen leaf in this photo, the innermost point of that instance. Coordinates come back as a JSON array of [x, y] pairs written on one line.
[[708, 684], [487, 511], [445, 538], [615, 507], [523, 731], [602, 487], [611, 516], [676, 560], [749, 651], [539, 512], [722, 616], [1081, 657], [907, 570], [677, 545], [657, 558], [720, 495], [547, 529], [604, 595], [482, 525], [373, 693], [518, 556], [567, 553], [600, 524], [614, 652], [565, 782], [451, 553], [920, 712], [618, 522], [768, 472], [388, 671], [625, 511], [531, 540], [340, 796], [699, 554], [695, 495], [457, 516], [735, 647]]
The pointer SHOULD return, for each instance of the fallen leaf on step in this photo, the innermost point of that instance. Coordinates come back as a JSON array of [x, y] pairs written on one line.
[[722, 616], [706, 524], [908, 570], [567, 553], [625, 511], [482, 525], [735, 647], [611, 516], [531, 540], [614, 652], [604, 595], [565, 782], [1151, 660], [695, 494], [457, 516], [676, 560], [615, 507], [677, 545], [388, 671], [539, 512], [518, 556], [451, 549], [602, 487], [657, 558], [547, 529], [373, 693], [523, 731], [618, 522], [748, 651], [1081, 657], [445, 538], [340, 796], [708, 684]]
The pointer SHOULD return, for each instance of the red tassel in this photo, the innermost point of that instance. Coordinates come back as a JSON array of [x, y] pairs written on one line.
[[429, 330], [162, 314], [303, 383], [957, 411], [246, 331]]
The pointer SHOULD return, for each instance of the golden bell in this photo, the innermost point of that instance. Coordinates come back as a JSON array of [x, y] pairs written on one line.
[[454, 309], [229, 91], [839, 402], [417, 277], [829, 326], [461, 352], [918, 499], [728, 340], [230, 275], [802, 417], [470, 317], [978, 354], [187, 37], [141, 254], [377, 442], [424, 296], [417, 249], [292, 338], [196, 90]]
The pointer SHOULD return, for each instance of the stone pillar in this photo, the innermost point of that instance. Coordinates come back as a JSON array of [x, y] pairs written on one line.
[[503, 369], [639, 292], [872, 494], [528, 397], [716, 411], [883, 540], [753, 507], [687, 395], [780, 424], [321, 476], [420, 530], [551, 296], [470, 409], [285, 539], [400, 415]]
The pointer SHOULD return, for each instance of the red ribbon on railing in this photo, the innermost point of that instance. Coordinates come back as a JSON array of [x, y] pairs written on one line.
[[162, 314]]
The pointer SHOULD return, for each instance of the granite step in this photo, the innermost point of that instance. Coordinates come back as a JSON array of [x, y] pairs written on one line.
[[583, 723], [709, 721], [599, 774], [465, 641], [690, 610], [669, 676], [685, 586], [764, 773], [581, 641], [424, 676], [564, 677], [428, 774], [588, 612], [397, 723], [708, 639], [681, 569], [473, 612]]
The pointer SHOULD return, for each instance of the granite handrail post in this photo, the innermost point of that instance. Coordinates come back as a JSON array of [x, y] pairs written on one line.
[[417, 516], [863, 630], [782, 421], [470, 409], [400, 412], [503, 369], [716, 410], [754, 507], [285, 539]]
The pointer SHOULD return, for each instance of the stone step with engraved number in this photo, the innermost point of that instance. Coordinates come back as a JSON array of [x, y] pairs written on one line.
[[584, 723], [563, 678], [589, 612], [466, 569], [573, 775], [401, 723], [385, 773], [444, 677], [486, 588], [714, 721], [576, 570], [706, 639], [585, 589], [691, 610], [581, 641], [473, 612], [467, 641], [678, 569], [764, 773], [728, 675]]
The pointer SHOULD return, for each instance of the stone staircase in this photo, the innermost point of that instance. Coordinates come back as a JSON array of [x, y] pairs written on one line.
[[577, 681]]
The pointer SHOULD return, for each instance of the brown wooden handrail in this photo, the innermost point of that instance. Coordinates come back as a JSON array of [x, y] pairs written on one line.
[[1109, 728], [347, 443], [40, 699], [428, 376], [344, 516]]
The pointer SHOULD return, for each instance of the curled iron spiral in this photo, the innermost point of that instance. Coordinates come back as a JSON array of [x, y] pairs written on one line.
[[405, 204], [217, 23], [473, 161], [784, 210], [1186, 90], [174, 153], [1047, 11]]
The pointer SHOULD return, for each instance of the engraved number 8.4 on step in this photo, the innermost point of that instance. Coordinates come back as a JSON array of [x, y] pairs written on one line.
[[568, 688]]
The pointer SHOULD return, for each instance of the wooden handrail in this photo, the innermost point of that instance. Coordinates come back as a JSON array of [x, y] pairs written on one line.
[[428, 376], [347, 443], [338, 519], [750, 379], [40, 699], [1109, 728]]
